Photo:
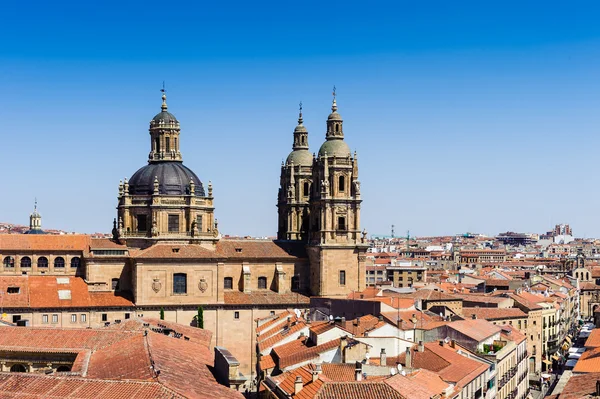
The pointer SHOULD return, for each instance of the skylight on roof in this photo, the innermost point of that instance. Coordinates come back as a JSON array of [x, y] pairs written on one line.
[[64, 294], [62, 280]]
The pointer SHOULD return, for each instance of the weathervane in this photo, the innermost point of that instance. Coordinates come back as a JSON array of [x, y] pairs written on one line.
[[163, 88], [334, 92]]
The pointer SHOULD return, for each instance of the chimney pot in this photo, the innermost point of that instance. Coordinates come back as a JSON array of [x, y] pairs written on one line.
[[421, 346], [408, 362], [473, 316], [382, 358], [441, 342], [358, 371], [297, 385]]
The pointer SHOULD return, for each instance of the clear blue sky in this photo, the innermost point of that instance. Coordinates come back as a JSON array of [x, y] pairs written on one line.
[[467, 116]]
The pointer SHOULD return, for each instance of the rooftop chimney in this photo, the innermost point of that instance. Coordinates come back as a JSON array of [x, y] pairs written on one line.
[[297, 385], [473, 316], [408, 362], [597, 387], [316, 372], [421, 346], [441, 342], [358, 371], [382, 358]]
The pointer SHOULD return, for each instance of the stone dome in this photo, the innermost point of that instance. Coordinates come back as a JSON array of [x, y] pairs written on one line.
[[300, 157], [334, 116], [337, 148], [164, 117], [173, 179]]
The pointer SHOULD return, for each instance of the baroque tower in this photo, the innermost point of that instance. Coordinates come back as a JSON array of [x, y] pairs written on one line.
[[319, 204], [295, 187], [165, 200]]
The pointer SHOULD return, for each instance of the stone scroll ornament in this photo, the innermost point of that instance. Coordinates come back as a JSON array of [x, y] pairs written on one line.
[[156, 285], [202, 285]]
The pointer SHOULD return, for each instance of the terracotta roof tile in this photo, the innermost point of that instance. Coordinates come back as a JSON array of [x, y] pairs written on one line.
[[31, 386], [266, 362], [297, 351], [494, 313], [44, 242], [580, 386], [360, 389], [477, 329], [593, 340]]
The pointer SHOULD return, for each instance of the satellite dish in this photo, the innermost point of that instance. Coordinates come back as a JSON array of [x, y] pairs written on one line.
[[447, 339], [393, 371], [330, 318], [403, 373], [367, 355], [399, 366], [297, 311]]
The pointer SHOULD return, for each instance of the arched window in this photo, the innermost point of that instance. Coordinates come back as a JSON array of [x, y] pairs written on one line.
[[262, 283], [42, 261], [63, 369], [75, 262], [306, 188], [167, 144], [342, 184], [59, 262], [157, 144], [18, 368], [228, 283], [115, 284], [587, 275], [25, 261], [337, 127], [9, 261], [576, 275], [179, 283], [175, 143]]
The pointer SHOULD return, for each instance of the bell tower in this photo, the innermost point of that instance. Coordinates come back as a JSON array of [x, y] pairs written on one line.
[[336, 247], [295, 187]]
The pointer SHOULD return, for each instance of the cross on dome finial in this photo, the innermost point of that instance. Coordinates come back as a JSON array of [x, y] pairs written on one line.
[[164, 97], [334, 105], [300, 120], [35, 204]]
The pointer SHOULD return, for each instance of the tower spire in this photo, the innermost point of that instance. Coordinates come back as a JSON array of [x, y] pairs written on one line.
[[164, 97], [334, 104]]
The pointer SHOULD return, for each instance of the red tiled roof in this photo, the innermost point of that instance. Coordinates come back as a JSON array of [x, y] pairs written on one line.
[[423, 384], [494, 313], [580, 386], [593, 340], [105, 243], [266, 362], [360, 389], [124, 360], [588, 362], [34, 386], [297, 351], [477, 329], [44, 242]]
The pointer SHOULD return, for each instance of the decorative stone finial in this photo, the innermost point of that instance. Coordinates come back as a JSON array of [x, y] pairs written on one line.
[[192, 187], [210, 189], [164, 97], [334, 104], [156, 185]]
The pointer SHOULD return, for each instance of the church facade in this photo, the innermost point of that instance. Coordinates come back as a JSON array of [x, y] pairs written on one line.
[[167, 254]]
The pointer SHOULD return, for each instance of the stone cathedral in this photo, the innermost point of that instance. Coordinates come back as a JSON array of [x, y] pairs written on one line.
[[167, 255]]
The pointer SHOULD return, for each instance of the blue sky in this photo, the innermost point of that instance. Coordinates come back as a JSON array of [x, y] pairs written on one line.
[[466, 116]]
